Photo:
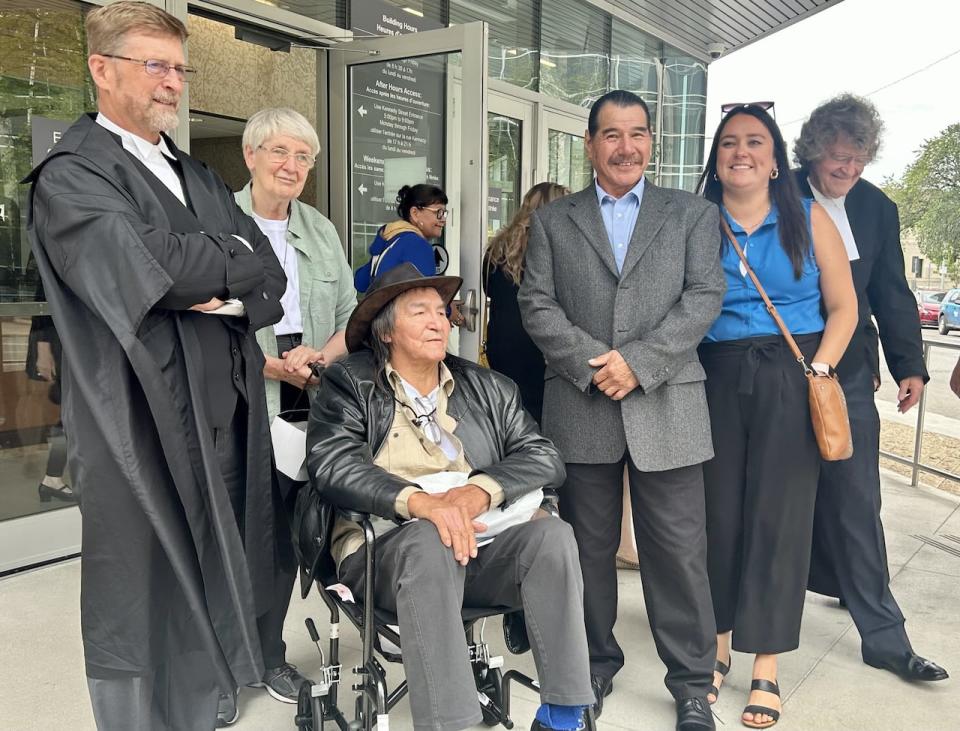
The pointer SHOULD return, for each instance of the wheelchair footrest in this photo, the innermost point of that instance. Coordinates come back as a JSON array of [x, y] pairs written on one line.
[[329, 676]]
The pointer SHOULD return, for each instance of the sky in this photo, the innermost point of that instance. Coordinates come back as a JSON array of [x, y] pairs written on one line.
[[857, 46]]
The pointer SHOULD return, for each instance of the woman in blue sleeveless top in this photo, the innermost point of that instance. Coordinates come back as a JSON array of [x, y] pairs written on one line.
[[761, 484]]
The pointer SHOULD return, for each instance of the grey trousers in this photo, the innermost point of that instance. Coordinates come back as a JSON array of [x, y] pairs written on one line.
[[533, 566]]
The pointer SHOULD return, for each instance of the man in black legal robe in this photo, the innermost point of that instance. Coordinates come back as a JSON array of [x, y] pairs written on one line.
[[156, 283]]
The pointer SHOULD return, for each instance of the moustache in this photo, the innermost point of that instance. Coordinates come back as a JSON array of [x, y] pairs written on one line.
[[167, 98]]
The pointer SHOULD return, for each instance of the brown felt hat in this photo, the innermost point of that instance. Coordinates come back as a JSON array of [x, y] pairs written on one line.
[[387, 287]]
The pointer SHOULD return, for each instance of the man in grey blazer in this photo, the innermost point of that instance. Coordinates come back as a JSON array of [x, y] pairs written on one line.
[[621, 282]]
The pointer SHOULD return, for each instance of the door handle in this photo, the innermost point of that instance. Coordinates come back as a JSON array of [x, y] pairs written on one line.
[[469, 310]]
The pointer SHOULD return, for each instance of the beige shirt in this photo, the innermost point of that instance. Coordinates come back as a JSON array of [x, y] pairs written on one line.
[[408, 452]]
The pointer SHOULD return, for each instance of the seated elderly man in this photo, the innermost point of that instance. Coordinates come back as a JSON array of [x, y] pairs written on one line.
[[391, 421]]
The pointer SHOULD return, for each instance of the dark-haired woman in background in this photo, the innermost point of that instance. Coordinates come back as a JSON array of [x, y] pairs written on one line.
[[509, 349], [761, 485], [423, 212]]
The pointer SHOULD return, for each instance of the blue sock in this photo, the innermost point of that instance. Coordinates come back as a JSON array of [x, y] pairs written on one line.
[[560, 718]]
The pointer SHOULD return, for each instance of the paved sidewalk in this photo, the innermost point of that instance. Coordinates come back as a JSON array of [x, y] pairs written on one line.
[[824, 683]]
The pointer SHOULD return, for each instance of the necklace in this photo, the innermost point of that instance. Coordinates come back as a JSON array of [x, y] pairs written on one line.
[[750, 228]]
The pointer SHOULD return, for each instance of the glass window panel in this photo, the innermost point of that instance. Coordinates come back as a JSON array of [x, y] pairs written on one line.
[[682, 120], [326, 11], [513, 37], [503, 170], [44, 87], [568, 163], [574, 60], [634, 66]]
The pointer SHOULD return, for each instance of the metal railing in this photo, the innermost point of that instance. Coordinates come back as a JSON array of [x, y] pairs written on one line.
[[916, 466]]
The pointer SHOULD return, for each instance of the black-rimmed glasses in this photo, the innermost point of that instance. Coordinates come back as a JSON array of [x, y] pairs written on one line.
[[156, 68], [441, 212], [725, 109]]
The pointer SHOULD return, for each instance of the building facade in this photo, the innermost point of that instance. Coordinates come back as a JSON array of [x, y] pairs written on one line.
[[482, 97]]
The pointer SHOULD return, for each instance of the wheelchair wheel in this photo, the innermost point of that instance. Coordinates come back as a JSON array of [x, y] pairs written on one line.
[[305, 720], [490, 683]]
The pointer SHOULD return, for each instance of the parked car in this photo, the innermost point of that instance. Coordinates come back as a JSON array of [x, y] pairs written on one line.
[[928, 305], [949, 317]]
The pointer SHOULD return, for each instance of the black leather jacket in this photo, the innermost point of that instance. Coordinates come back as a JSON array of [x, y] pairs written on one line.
[[351, 416]]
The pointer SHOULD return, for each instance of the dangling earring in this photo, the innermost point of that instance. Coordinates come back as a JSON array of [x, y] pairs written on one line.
[[715, 177], [774, 174]]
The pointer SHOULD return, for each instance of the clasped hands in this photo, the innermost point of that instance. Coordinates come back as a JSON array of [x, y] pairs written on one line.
[[293, 366], [453, 513], [614, 377]]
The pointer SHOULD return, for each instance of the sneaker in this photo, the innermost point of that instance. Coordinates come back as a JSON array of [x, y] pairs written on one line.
[[228, 710], [284, 682]]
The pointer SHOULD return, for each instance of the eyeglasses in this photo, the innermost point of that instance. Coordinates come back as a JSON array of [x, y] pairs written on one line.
[[156, 68], [441, 212], [725, 109], [860, 160], [280, 155]]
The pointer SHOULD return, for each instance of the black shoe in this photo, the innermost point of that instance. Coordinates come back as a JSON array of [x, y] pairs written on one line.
[[228, 710], [284, 682], [64, 493], [602, 687], [693, 714], [909, 667]]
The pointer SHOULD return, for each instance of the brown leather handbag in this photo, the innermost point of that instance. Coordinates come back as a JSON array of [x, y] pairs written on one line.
[[828, 406]]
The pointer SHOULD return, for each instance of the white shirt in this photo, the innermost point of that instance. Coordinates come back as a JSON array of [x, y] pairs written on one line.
[[838, 213], [154, 156], [276, 231]]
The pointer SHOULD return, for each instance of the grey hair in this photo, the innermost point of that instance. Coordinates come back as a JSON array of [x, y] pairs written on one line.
[[275, 121], [380, 329], [846, 115]]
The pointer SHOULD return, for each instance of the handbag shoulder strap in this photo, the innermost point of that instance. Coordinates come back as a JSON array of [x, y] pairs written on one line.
[[763, 294]]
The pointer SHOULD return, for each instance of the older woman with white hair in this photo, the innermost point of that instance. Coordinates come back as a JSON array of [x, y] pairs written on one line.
[[841, 137], [280, 148]]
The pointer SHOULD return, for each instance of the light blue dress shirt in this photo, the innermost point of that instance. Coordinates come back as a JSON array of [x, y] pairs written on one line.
[[619, 218]]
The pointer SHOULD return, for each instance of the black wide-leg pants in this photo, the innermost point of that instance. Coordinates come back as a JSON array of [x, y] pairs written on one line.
[[761, 489]]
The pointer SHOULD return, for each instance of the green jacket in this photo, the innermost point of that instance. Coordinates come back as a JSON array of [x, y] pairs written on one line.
[[327, 296]]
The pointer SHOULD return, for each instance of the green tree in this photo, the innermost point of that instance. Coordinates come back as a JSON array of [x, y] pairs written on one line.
[[928, 195]]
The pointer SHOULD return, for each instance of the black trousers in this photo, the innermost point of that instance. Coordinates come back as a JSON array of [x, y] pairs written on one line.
[[761, 487], [232, 453], [669, 523], [849, 551]]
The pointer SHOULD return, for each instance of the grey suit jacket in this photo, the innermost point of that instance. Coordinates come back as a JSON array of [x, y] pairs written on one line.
[[576, 306]]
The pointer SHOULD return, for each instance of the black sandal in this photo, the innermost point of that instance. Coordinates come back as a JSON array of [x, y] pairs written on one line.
[[767, 686], [723, 669]]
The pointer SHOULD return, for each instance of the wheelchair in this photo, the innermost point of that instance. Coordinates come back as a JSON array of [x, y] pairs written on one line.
[[318, 702]]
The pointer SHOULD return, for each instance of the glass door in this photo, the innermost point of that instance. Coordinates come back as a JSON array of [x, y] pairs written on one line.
[[413, 109], [563, 151], [44, 87], [509, 158]]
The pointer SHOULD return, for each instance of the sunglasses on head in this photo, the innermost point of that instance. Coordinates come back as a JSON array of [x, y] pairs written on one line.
[[725, 109]]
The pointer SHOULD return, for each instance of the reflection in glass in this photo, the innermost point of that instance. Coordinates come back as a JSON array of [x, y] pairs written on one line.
[[575, 43], [683, 118], [503, 170], [635, 66], [568, 161], [512, 46], [44, 87]]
